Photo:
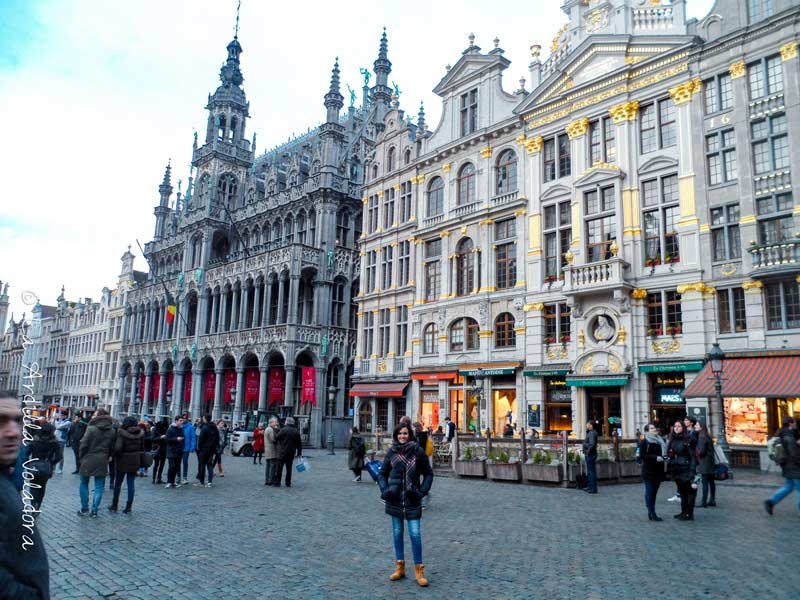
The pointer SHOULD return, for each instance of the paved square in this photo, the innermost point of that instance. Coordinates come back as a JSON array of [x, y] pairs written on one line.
[[327, 537]]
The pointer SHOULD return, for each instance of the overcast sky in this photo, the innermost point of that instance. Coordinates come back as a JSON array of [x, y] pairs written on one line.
[[96, 96]]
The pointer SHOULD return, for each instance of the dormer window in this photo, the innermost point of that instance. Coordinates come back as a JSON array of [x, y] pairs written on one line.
[[469, 112]]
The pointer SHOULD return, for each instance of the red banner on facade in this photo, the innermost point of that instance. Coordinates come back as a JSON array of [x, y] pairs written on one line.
[[210, 380], [309, 383], [170, 383], [187, 389], [251, 382], [140, 388], [155, 385], [277, 385], [230, 384]]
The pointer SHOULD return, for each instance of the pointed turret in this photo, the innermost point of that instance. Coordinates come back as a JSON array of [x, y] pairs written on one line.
[[162, 210], [334, 99], [381, 93], [4, 304], [421, 126]]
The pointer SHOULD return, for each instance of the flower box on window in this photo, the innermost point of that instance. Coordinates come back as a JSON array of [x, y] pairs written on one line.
[[550, 339], [564, 339], [652, 261], [674, 330], [654, 332]]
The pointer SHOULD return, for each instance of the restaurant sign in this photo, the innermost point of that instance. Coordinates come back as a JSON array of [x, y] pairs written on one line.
[[487, 372]]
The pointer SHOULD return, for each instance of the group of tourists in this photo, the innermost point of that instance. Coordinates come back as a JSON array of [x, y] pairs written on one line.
[[279, 446]]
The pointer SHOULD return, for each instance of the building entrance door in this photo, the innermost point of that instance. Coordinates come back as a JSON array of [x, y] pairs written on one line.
[[604, 409]]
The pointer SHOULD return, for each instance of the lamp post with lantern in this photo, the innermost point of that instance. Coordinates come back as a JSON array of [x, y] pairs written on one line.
[[331, 404], [716, 358], [477, 390], [233, 403]]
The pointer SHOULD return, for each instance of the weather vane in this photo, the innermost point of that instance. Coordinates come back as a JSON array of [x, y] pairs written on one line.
[[236, 29]]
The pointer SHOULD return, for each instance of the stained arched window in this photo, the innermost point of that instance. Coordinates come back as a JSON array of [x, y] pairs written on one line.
[[226, 190], [506, 173], [435, 200], [466, 184], [429, 339], [464, 335], [465, 268], [504, 335]]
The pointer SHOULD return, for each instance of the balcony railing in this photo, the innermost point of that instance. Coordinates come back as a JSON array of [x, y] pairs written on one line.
[[593, 276], [774, 257], [505, 198], [460, 211], [399, 364], [432, 220]]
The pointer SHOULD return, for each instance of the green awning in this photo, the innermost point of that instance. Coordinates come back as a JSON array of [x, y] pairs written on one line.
[[695, 365], [546, 372], [611, 381], [487, 372]]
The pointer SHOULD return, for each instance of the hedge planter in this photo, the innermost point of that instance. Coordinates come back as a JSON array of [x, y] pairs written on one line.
[[503, 471], [629, 468], [549, 473], [607, 470], [470, 468]]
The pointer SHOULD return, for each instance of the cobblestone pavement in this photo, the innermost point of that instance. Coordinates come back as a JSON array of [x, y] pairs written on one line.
[[327, 537]]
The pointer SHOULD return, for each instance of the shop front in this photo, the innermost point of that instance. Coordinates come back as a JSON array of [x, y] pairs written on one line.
[[380, 405], [602, 402], [492, 401], [556, 401], [434, 390], [758, 393], [666, 383]]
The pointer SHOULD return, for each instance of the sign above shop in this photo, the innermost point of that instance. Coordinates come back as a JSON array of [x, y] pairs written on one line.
[[487, 372], [610, 381], [546, 372], [433, 376], [667, 367], [670, 396]]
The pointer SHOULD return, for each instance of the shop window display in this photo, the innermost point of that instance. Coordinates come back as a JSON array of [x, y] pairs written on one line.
[[746, 421], [504, 401]]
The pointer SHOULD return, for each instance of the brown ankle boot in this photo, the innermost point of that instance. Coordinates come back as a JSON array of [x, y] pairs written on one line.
[[419, 571], [399, 572]]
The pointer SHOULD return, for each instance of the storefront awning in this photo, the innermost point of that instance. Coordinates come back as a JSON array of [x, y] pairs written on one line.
[[434, 376], [394, 389], [595, 381], [546, 372], [755, 377], [694, 365], [488, 372]]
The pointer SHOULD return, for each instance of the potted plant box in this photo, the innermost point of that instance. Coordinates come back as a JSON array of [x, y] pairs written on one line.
[[470, 468], [607, 470], [537, 472], [629, 468], [503, 471]]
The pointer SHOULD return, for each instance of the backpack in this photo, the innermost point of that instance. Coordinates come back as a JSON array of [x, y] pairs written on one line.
[[776, 451]]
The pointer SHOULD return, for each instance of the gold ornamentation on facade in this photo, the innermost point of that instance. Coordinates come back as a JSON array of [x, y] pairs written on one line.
[[396, 187], [485, 334], [622, 335], [613, 248], [599, 164], [554, 44], [393, 244], [519, 330], [639, 294], [666, 347], [597, 19], [534, 144], [520, 212], [521, 139], [533, 306], [788, 51], [699, 287], [737, 70], [588, 365], [627, 111], [569, 257], [613, 364], [752, 285], [382, 366], [364, 200], [683, 92], [446, 168], [487, 152], [556, 353], [581, 339], [632, 60], [486, 222], [747, 219], [463, 230], [577, 128], [727, 269], [444, 234]]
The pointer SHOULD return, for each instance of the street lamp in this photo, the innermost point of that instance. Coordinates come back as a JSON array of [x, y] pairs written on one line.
[[477, 390], [331, 404], [233, 401], [167, 408], [716, 357]]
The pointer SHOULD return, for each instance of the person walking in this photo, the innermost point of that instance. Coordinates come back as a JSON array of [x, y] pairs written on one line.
[[147, 428], [76, 433], [207, 445], [590, 452], [705, 464], [62, 426], [358, 449], [289, 444], [96, 447], [159, 450], [222, 427], [128, 450], [258, 444], [175, 445], [42, 455], [653, 454], [189, 446], [683, 467], [790, 465], [404, 479], [449, 430], [271, 451], [24, 572]]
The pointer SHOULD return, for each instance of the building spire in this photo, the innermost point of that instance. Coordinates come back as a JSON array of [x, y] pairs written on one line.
[[167, 175], [421, 127], [334, 99], [236, 28]]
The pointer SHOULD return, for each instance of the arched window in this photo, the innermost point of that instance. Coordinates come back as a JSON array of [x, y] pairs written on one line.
[[203, 189], [504, 335], [506, 173], [301, 228], [464, 335], [256, 237], [466, 184], [342, 227], [407, 156], [288, 230], [429, 343], [435, 197], [312, 228], [276, 234], [226, 191], [232, 129], [465, 268], [374, 171], [197, 245], [338, 305], [390, 159], [221, 122]]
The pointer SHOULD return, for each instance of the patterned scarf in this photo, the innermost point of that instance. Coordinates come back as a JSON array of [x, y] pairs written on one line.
[[405, 455]]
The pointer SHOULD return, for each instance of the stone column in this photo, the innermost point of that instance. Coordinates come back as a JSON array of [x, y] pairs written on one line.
[[257, 310], [263, 378], [223, 309], [294, 290], [162, 385], [237, 407], [267, 304], [214, 312], [132, 403], [117, 401], [390, 413], [237, 296], [244, 301], [288, 398], [624, 116], [177, 394], [146, 402], [281, 312], [196, 403], [374, 404], [219, 394]]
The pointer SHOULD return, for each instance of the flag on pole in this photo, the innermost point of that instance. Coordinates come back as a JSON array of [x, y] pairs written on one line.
[[171, 308]]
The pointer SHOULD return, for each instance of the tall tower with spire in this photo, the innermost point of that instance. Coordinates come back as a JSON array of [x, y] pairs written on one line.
[[4, 304], [331, 132], [162, 210], [381, 92]]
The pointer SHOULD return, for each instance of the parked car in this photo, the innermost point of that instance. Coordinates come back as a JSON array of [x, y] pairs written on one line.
[[242, 440]]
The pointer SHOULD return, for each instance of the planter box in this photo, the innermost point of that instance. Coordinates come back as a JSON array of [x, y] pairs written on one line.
[[630, 468], [470, 468], [504, 471], [607, 470], [572, 472], [550, 473]]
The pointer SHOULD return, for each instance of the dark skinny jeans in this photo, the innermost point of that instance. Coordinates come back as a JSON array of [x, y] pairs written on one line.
[[709, 483], [131, 481], [688, 496], [174, 464], [650, 492]]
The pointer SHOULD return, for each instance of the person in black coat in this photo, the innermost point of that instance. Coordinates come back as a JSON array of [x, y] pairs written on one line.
[[590, 454], [76, 434], [652, 454], [790, 440], [289, 444], [43, 454], [207, 444], [705, 464], [174, 443], [405, 478], [683, 466], [159, 432]]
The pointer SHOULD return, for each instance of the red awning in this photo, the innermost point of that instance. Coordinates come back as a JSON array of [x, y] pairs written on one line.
[[758, 377], [379, 390], [434, 376]]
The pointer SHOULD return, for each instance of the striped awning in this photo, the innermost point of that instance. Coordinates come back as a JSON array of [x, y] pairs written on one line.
[[756, 377]]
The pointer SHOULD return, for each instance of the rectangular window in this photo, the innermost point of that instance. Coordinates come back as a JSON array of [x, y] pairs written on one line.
[[388, 208], [372, 214], [657, 127], [557, 323], [731, 315], [387, 264], [664, 314], [469, 112], [600, 223], [556, 156], [401, 339], [765, 77], [666, 121], [384, 332], [647, 127], [369, 326], [721, 157], [726, 243], [775, 220], [372, 266], [602, 143], [557, 237], [549, 158], [405, 201], [661, 214], [433, 251], [759, 10], [770, 144], [718, 93], [783, 304], [505, 254], [404, 257]]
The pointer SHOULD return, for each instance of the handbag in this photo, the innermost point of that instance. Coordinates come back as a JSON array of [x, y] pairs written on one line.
[[43, 469], [721, 472], [373, 468], [302, 465], [145, 460]]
